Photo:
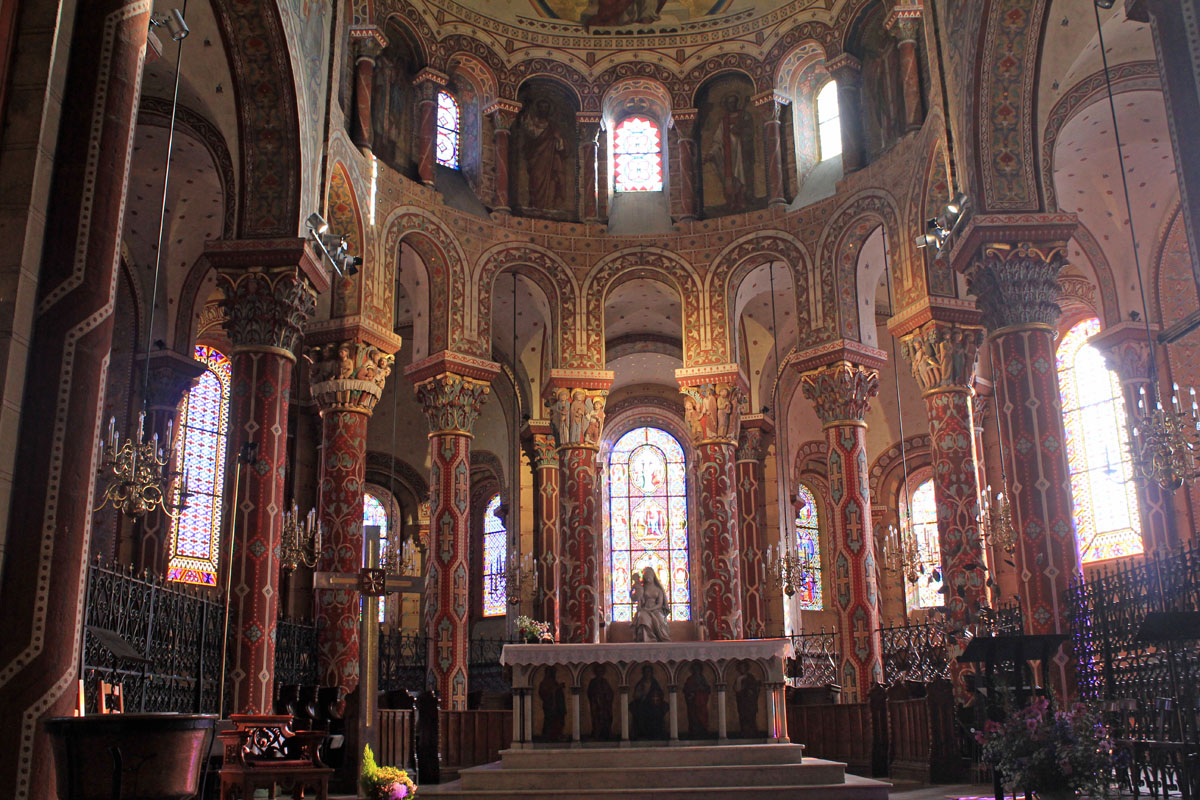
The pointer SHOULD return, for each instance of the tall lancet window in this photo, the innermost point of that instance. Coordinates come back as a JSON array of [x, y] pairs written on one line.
[[375, 515], [495, 561], [203, 431], [449, 130], [1098, 459], [922, 523], [808, 548], [648, 518], [829, 121], [637, 151]]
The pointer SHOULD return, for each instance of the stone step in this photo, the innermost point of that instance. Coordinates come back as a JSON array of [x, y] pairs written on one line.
[[580, 758], [854, 788], [666, 774]]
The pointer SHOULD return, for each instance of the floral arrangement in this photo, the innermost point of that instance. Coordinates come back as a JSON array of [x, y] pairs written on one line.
[[1037, 750], [384, 783], [533, 631]]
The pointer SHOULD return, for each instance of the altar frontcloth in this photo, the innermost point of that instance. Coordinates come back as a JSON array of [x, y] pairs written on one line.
[[631, 694]]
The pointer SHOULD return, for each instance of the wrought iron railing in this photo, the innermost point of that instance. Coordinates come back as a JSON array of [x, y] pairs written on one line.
[[296, 653], [401, 661], [914, 653], [816, 659]]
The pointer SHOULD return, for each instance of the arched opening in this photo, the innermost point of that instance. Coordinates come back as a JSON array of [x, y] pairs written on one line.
[[829, 122], [495, 558], [637, 156], [449, 130], [920, 522]]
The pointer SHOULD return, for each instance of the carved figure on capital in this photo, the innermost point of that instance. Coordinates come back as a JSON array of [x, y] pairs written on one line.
[[841, 392], [348, 374], [713, 411], [452, 402], [943, 356], [753, 443], [577, 416]]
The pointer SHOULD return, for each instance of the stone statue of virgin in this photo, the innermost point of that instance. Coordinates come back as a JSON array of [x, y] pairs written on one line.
[[650, 620]]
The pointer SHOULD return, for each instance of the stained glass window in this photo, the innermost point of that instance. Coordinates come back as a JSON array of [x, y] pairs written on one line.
[[203, 430], [375, 515], [1098, 459], [808, 548], [922, 522], [495, 554], [637, 166], [448, 129], [829, 121], [648, 518]]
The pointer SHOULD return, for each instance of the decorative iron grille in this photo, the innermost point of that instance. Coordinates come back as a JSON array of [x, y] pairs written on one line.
[[401, 661], [296, 653], [816, 659], [914, 653]]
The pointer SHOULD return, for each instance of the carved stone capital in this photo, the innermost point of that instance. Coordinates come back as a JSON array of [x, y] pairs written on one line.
[[1017, 285], [266, 310], [943, 355], [537, 436], [503, 114], [754, 438], [845, 69], [348, 376], [577, 415], [1126, 350], [451, 402], [841, 393], [172, 375], [713, 411]]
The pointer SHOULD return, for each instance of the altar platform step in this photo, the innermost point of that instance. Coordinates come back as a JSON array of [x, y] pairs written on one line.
[[678, 773]]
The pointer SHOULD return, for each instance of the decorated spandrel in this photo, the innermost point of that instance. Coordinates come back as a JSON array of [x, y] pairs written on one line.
[[808, 549], [200, 454], [637, 162], [375, 515], [495, 553], [648, 518], [1103, 492], [926, 593], [448, 130]]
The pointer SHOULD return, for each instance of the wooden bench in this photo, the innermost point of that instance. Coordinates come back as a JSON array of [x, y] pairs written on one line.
[[263, 752]]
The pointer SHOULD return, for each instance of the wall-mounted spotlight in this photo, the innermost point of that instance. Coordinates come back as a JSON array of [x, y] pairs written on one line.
[[174, 23], [317, 223], [333, 246], [939, 229]]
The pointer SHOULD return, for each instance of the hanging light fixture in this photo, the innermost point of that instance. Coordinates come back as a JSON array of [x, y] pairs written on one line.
[[140, 467], [1165, 440], [996, 519], [788, 571], [301, 540]]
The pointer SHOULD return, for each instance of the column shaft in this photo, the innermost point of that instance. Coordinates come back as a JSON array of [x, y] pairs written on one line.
[[752, 526], [579, 543], [503, 116], [772, 146], [589, 160], [361, 132], [545, 531], [428, 82], [905, 29], [46, 555]]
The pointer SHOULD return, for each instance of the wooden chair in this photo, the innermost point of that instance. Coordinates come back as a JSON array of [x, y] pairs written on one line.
[[263, 752]]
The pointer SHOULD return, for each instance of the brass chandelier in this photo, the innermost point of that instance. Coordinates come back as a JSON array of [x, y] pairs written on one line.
[[141, 473], [512, 576], [301, 543], [787, 570]]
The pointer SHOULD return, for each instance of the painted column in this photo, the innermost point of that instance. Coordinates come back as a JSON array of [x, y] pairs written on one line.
[[841, 393], [589, 161], [361, 132], [266, 309], [1017, 291], [576, 400], [685, 126], [71, 340], [172, 375], [905, 24], [347, 377], [452, 389], [772, 105], [1127, 353], [713, 398], [428, 82], [942, 355], [544, 459], [752, 519], [504, 113], [847, 71]]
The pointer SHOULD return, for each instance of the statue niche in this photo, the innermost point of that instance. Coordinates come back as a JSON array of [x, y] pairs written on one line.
[[393, 101], [544, 152], [733, 177], [882, 89]]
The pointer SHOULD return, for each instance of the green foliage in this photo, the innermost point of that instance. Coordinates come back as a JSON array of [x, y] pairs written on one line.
[[384, 783]]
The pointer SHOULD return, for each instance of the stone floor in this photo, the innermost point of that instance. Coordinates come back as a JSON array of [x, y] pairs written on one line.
[[903, 792]]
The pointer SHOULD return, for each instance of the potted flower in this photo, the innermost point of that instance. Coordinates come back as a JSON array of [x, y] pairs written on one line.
[[384, 783], [1057, 754], [534, 632]]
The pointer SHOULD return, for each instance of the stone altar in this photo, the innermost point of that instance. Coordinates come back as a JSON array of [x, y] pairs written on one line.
[[648, 693]]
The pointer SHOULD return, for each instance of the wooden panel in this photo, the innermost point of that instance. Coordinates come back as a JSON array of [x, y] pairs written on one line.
[[841, 732], [909, 756], [395, 737], [470, 738]]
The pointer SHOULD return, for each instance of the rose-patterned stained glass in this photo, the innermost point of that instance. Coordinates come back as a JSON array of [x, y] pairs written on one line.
[[202, 433], [448, 130], [495, 555], [637, 162], [374, 514], [1107, 521], [808, 548], [647, 519], [922, 522]]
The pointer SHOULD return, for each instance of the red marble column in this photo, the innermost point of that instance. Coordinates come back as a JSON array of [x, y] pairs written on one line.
[[943, 356], [771, 105], [50, 527], [347, 379], [576, 402], [265, 311], [841, 393], [1017, 290], [685, 125], [546, 543], [503, 114], [752, 519], [847, 71], [905, 25], [361, 132], [1127, 353], [172, 375], [452, 389], [428, 82], [713, 406], [589, 170]]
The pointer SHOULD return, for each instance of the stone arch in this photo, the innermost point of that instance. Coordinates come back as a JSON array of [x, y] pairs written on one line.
[[809, 30], [731, 267], [584, 340], [408, 23], [477, 71], [719, 67], [586, 93], [344, 217], [885, 476], [614, 75], [810, 462], [269, 202]]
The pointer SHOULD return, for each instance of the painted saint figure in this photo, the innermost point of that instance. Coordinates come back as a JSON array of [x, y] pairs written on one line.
[[732, 147], [600, 704], [545, 157], [696, 694], [648, 707], [650, 620], [746, 688], [624, 12], [554, 705]]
